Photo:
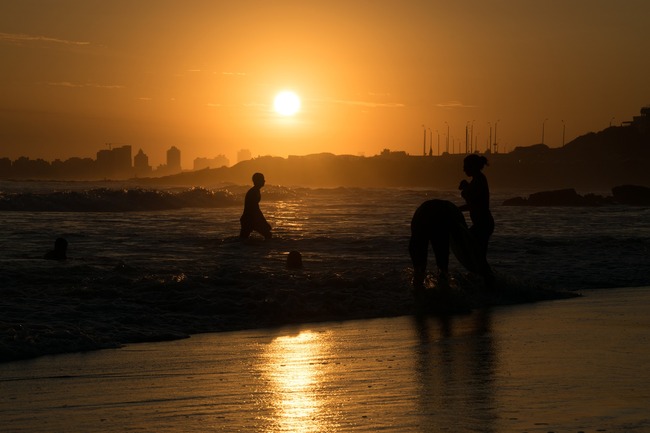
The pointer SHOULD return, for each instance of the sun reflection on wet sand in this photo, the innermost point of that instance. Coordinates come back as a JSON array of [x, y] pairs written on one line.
[[293, 365]]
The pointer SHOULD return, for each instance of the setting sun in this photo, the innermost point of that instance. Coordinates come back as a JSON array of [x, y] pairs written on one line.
[[286, 103]]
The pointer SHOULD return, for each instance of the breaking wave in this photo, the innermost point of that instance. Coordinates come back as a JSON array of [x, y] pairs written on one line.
[[116, 200]]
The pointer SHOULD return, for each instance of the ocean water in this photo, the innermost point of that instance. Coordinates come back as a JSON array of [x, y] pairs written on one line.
[[571, 365], [346, 234]]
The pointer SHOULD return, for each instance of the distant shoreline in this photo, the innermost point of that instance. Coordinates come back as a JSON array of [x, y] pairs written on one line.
[[614, 156]]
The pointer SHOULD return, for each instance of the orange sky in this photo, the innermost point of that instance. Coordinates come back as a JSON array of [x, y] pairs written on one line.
[[202, 74]]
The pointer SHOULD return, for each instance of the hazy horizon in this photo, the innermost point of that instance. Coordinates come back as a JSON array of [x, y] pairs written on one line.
[[202, 75]]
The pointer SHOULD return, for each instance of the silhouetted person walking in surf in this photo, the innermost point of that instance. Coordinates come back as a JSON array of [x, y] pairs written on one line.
[[253, 218]]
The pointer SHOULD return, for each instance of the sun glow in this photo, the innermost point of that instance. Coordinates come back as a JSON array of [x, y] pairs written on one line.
[[286, 103]]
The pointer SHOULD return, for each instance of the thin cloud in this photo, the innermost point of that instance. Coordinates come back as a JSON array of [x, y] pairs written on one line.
[[238, 74], [454, 104], [18, 38], [369, 104], [85, 85]]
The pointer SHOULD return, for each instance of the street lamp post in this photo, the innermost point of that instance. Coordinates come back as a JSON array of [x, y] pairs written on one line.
[[489, 146], [424, 143], [471, 138], [563, 132], [447, 136]]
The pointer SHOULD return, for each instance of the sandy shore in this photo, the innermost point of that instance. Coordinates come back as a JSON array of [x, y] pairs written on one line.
[[49, 320], [574, 365]]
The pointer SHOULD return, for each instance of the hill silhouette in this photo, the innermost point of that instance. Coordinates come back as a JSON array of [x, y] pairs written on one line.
[[617, 155]]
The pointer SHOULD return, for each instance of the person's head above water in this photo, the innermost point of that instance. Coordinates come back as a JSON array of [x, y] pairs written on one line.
[[258, 180], [60, 250], [474, 163]]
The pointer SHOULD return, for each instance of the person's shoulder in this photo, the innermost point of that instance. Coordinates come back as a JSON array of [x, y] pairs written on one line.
[[480, 178]]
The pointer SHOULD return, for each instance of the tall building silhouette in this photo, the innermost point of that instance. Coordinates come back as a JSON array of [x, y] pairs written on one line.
[[141, 164], [115, 162], [174, 160]]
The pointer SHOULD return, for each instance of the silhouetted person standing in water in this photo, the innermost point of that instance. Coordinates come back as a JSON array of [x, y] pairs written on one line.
[[253, 218], [477, 196]]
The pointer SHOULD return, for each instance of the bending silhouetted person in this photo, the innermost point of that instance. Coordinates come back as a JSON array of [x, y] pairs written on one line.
[[477, 196], [253, 219], [60, 250], [442, 224], [432, 224]]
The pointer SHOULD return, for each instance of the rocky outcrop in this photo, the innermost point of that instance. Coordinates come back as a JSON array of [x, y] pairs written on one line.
[[562, 197], [632, 195]]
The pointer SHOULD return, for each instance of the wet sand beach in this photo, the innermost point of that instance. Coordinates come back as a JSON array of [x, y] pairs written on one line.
[[573, 365]]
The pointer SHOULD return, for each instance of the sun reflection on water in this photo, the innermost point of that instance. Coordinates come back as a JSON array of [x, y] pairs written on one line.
[[294, 368], [289, 215]]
